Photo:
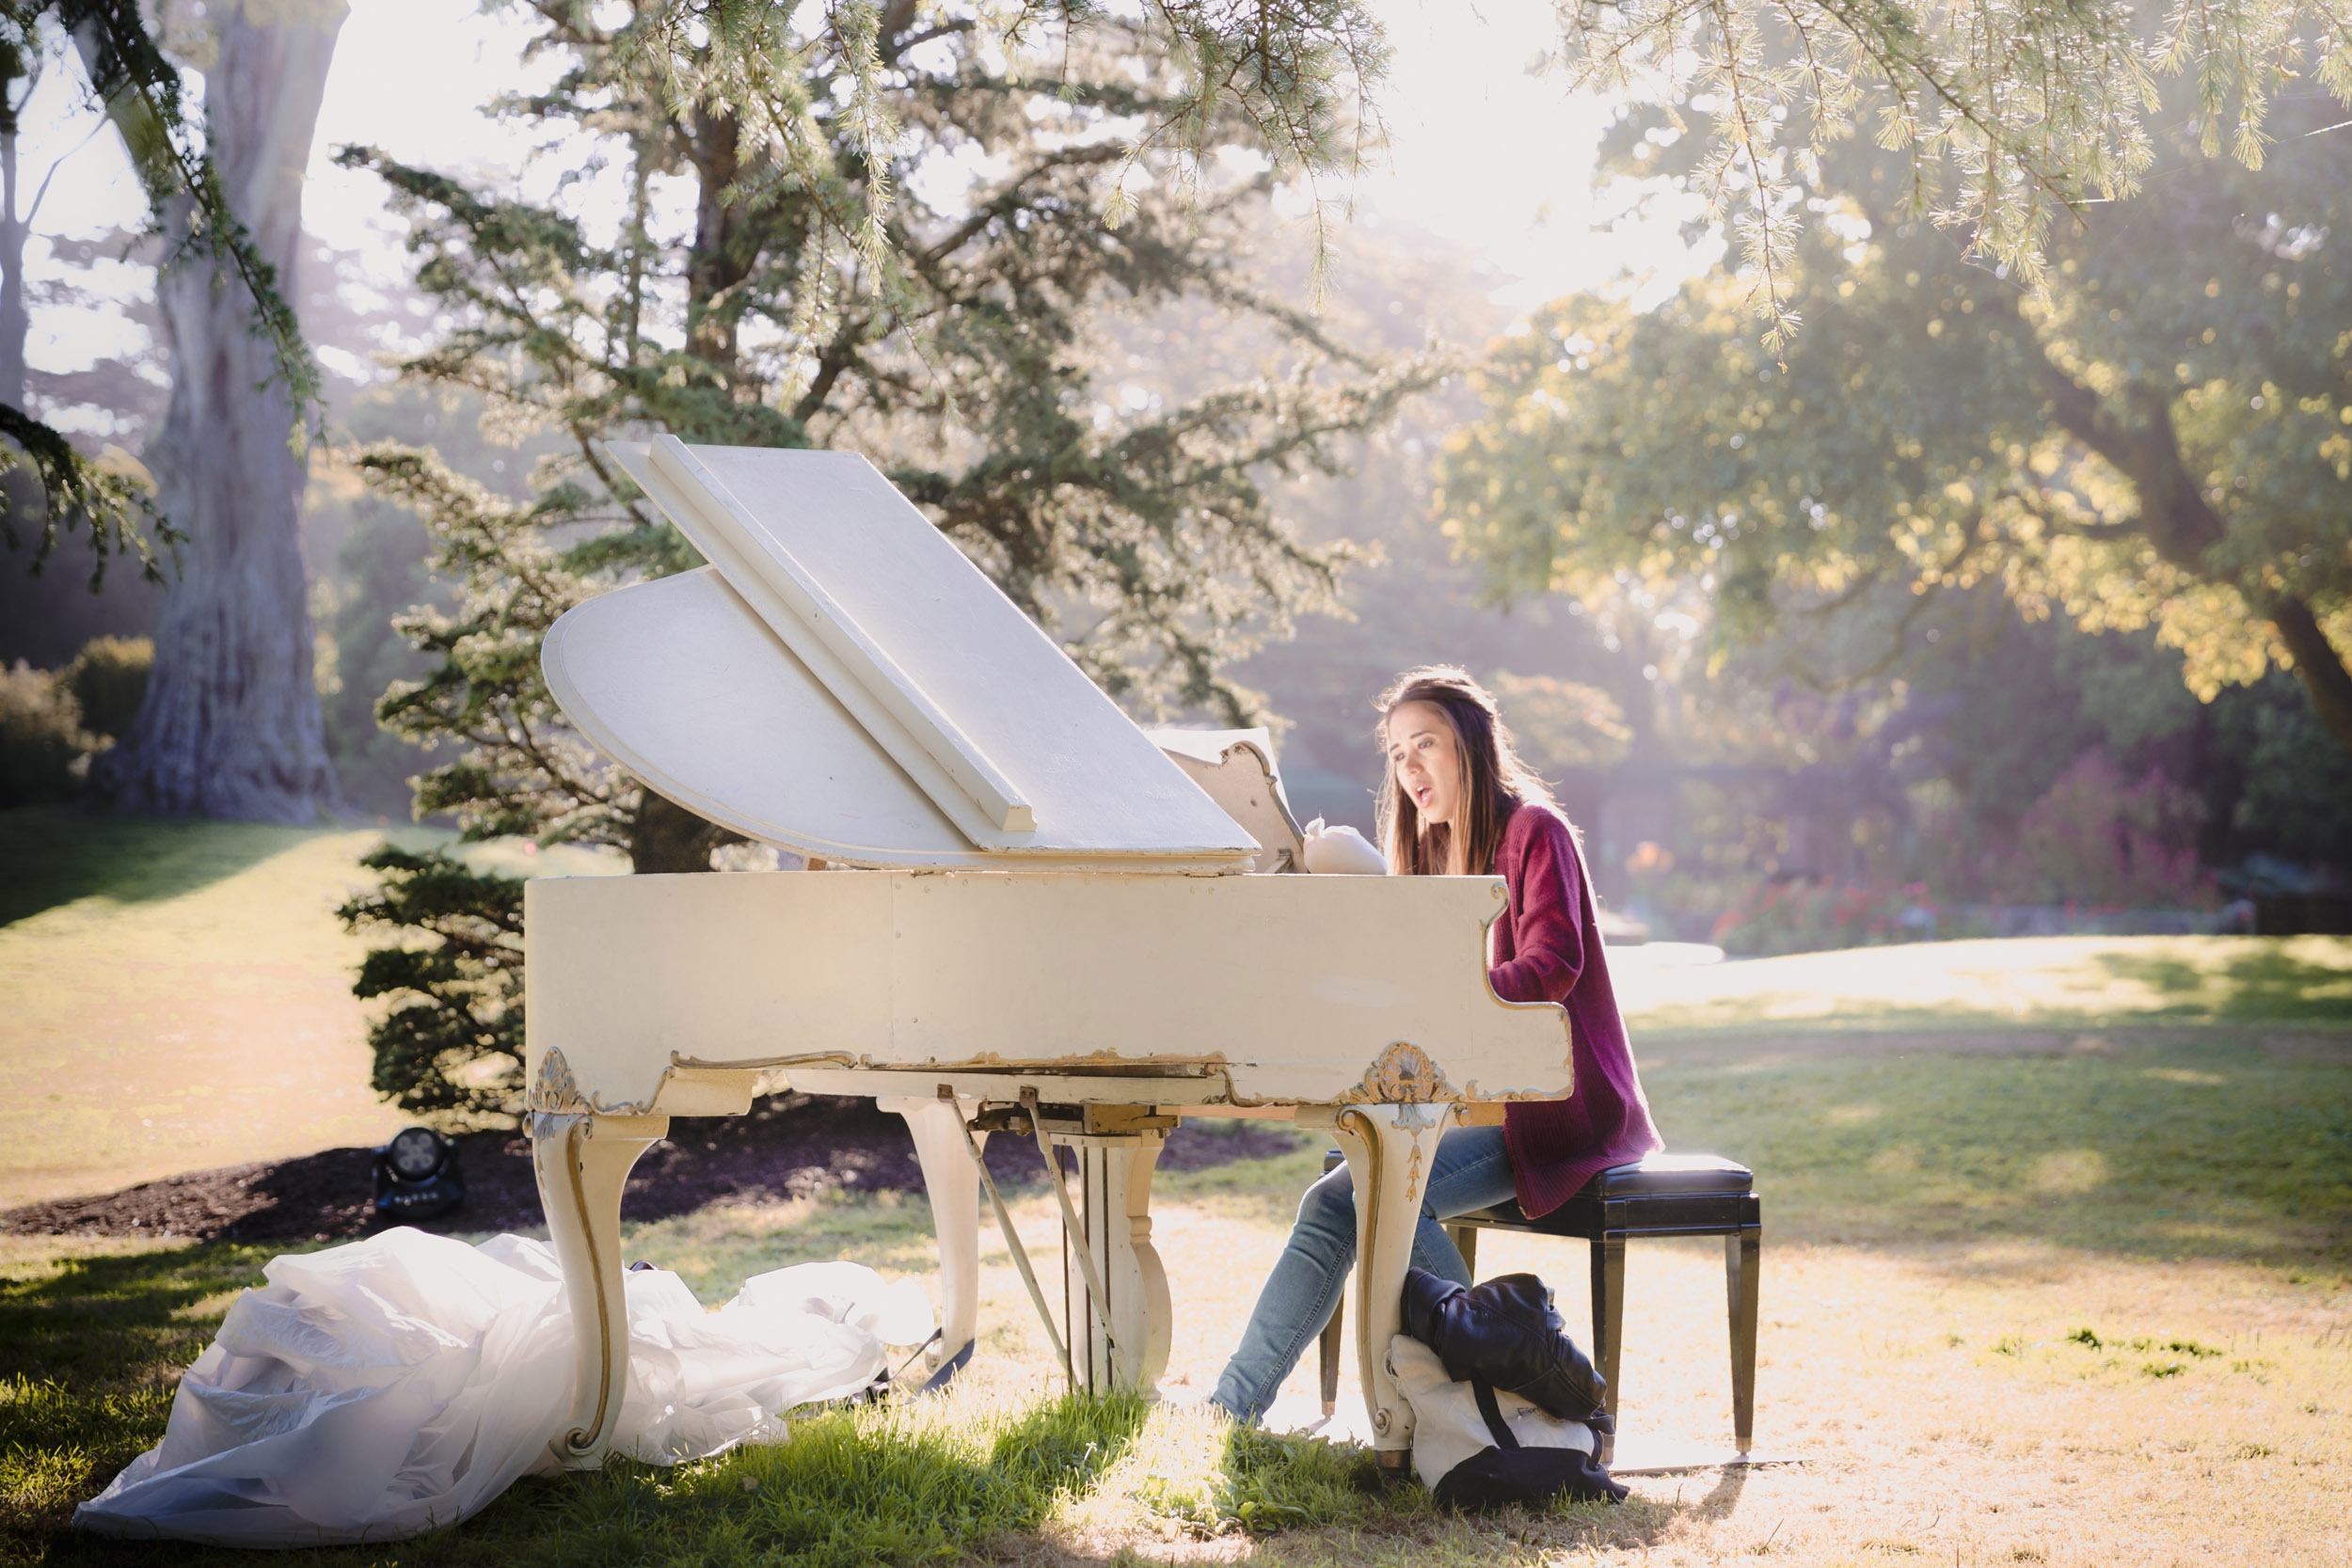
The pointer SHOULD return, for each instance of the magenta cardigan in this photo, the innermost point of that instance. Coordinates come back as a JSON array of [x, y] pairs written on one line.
[[1547, 948]]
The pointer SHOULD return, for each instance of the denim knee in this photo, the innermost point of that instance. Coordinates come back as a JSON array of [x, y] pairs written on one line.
[[1329, 1207]]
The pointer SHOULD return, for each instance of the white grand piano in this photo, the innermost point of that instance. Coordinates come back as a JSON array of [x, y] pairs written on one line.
[[1031, 916]]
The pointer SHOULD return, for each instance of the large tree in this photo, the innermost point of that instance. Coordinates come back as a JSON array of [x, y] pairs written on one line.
[[230, 725], [965, 334], [2163, 437]]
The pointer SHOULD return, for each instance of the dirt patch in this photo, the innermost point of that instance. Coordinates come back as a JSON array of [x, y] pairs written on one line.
[[790, 1146]]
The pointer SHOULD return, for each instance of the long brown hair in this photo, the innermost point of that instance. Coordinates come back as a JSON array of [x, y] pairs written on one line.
[[1494, 780]]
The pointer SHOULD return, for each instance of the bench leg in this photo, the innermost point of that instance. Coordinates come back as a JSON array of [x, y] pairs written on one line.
[[1608, 1323], [1466, 1242], [1331, 1356], [1742, 1256]]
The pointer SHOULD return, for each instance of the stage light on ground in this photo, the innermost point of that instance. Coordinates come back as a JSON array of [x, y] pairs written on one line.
[[417, 1177]]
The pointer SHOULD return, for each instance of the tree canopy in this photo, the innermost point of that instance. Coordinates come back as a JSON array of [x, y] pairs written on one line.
[[2162, 437]]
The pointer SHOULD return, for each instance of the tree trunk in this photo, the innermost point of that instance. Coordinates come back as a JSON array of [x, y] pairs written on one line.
[[15, 321], [20, 492], [670, 838], [231, 727], [2318, 664], [2183, 526]]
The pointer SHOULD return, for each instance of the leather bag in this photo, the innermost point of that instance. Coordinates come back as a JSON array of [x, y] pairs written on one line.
[[1504, 1332]]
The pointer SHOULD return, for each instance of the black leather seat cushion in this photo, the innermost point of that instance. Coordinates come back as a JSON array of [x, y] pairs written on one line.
[[1690, 1194]]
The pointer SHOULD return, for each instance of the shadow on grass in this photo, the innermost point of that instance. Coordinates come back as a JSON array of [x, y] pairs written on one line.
[[88, 1358], [52, 855], [2211, 1149], [2267, 982]]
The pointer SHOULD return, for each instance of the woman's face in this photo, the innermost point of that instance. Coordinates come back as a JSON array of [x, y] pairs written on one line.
[[1427, 765]]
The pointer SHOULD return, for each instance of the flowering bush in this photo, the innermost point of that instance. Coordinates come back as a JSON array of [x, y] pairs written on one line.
[[1807, 915], [2094, 840]]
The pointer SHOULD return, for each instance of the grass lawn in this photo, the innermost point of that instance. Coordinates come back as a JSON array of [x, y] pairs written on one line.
[[2089, 1305], [2058, 1264], [177, 996]]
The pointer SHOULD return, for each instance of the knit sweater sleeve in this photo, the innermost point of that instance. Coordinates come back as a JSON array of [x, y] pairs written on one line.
[[1540, 868]]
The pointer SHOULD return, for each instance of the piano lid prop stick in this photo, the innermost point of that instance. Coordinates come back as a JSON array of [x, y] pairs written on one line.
[[1020, 1253], [1096, 1297]]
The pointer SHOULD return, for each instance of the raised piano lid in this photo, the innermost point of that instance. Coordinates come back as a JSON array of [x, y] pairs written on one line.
[[843, 682]]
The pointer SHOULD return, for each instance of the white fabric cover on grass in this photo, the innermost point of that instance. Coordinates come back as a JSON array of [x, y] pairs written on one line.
[[399, 1383]]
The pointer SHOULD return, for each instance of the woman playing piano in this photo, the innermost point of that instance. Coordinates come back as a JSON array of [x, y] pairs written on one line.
[[1457, 802]]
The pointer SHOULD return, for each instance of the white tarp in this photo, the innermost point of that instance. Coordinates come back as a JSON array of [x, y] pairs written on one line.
[[377, 1390]]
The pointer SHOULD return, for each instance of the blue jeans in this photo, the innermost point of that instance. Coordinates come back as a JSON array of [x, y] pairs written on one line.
[[1472, 1170]]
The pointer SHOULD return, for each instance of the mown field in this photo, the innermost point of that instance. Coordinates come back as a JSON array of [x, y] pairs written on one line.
[[2059, 1269]]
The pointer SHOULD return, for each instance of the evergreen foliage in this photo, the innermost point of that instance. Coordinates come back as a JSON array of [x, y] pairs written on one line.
[[451, 1045], [2014, 119]]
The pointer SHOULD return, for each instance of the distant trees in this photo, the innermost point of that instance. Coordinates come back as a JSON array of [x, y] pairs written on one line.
[[2164, 439]]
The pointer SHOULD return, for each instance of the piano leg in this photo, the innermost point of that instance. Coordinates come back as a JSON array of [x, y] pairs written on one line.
[[954, 1189], [583, 1162], [1388, 1150]]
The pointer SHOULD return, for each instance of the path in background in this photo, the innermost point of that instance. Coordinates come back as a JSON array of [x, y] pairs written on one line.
[[177, 998]]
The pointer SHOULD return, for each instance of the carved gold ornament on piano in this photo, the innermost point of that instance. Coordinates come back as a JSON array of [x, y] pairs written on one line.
[[1403, 1074], [552, 1091]]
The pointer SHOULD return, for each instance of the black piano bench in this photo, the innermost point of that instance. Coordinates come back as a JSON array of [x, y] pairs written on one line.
[[1665, 1194]]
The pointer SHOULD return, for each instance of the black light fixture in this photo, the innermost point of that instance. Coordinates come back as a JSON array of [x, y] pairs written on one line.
[[417, 1177]]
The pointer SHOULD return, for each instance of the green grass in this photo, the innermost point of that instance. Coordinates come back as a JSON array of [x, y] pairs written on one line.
[[177, 996], [88, 1350], [1974, 1155], [52, 855], [2207, 1145]]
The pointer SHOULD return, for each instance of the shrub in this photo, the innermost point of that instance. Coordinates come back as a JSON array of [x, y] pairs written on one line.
[[43, 743], [452, 1046], [1807, 915], [108, 678], [2095, 840]]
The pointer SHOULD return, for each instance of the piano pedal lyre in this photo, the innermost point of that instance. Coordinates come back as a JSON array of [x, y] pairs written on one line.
[[1116, 1321], [1116, 1314]]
